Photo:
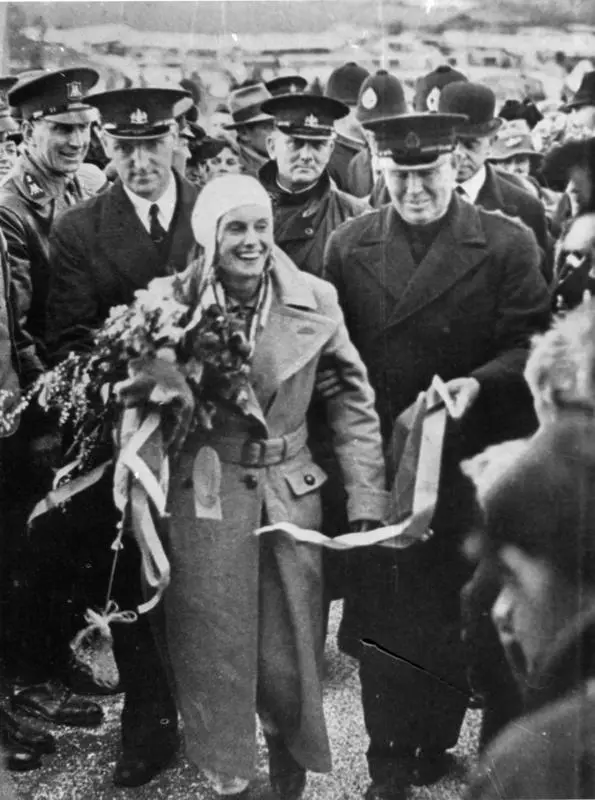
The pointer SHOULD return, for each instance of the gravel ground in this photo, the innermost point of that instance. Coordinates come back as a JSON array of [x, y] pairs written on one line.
[[82, 767]]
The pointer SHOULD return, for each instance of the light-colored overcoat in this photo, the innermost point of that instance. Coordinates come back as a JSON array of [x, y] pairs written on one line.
[[244, 615]]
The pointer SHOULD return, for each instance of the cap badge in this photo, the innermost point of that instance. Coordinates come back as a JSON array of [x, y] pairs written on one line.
[[292, 88], [311, 121], [369, 99], [432, 99], [412, 141], [74, 90], [139, 117]]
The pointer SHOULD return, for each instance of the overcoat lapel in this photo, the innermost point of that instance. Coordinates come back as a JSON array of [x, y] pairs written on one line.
[[457, 249], [490, 196], [182, 239]]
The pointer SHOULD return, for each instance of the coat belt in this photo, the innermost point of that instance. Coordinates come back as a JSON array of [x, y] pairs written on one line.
[[260, 452]]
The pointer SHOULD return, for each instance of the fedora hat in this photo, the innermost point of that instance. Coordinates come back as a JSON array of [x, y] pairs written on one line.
[[475, 101], [513, 139], [244, 105], [429, 87], [585, 95], [381, 96]]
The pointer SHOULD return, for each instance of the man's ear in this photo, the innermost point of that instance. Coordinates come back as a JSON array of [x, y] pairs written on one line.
[[107, 143], [271, 145], [27, 130]]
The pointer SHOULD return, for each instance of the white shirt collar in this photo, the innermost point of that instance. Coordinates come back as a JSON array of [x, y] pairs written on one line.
[[473, 185], [166, 204]]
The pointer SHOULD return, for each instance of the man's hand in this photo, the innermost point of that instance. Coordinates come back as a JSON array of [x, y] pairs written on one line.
[[364, 525], [329, 383], [464, 393]]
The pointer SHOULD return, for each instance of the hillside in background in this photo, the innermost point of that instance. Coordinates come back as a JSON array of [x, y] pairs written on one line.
[[307, 16]]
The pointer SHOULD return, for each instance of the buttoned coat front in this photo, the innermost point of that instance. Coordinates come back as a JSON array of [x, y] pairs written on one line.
[[467, 310], [244, 616]]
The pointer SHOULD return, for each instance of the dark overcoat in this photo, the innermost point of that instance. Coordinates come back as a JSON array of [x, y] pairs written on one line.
[[100, 255], [344, 151], [468, 309], [360, 178], [302, 230]]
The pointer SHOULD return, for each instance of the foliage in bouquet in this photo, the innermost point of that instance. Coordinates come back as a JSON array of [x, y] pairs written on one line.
[[207, 345]]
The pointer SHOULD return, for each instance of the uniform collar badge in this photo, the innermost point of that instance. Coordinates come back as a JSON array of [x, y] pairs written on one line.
[[311, 121], [74, 90], [33, 187], [139, 117]]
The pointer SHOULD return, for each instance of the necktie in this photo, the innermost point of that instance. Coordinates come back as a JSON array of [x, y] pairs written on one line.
[[156, 230], [459, 190]]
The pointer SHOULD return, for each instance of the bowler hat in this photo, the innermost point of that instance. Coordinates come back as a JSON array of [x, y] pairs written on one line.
[[476, 101], [513, 139], [245, 105], [59, 96], [429, 87], [138, 113], [415, 140], [286, 84], [585, 95], [345, 82], [381, 95], [305, 116]]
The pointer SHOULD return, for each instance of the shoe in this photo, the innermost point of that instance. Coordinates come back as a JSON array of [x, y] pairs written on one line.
[[19, 736], [388, 790], [287, 777], [431, 766], [57, 704], [136, 771]]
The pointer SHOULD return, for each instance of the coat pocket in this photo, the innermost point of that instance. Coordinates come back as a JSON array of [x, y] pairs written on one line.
[[304, 478]]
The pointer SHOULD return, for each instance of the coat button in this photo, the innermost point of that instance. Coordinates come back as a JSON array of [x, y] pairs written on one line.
[[309, 479], [250, 481], [309, 231]]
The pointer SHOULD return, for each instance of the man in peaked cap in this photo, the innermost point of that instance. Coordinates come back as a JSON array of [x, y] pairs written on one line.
[[101, 253], [287, 84], [251, 125], [343, 85], [55, 127], [430, 285], [479, 182]]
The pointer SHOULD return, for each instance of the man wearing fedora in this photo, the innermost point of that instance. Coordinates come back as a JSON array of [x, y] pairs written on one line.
[[343, 85], [44, 182], [582, 105], [101, 253], [251, 125], [479, 182], [430, 285]]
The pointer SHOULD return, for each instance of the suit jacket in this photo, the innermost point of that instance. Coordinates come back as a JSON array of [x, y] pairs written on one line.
[[100, 254], [501, 192], [468, 309]]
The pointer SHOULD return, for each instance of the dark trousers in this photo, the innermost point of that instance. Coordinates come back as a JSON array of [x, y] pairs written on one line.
[[412, 662], [489, 672]]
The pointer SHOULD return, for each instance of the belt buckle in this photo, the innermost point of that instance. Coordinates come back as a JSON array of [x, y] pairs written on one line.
[[254, 461]]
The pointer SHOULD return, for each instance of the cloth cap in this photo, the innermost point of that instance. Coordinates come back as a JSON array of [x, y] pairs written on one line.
[[305, 116], [381, 95], [345, 82], [139, 113], [513, 139], [429, 87], [416, 140], [287, 84], [585, 95], [218, 197], [476, 101], [57, 96], [244, 105]]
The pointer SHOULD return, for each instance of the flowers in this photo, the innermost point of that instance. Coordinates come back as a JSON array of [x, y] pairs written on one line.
[[208, 346]]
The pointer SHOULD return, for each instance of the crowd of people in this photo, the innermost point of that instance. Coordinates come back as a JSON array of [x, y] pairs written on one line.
[[363, 246]]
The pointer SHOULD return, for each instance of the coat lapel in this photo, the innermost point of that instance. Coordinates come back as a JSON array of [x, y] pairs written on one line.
[[458, 248], [182, 239], [125, 241], [295, 331]]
